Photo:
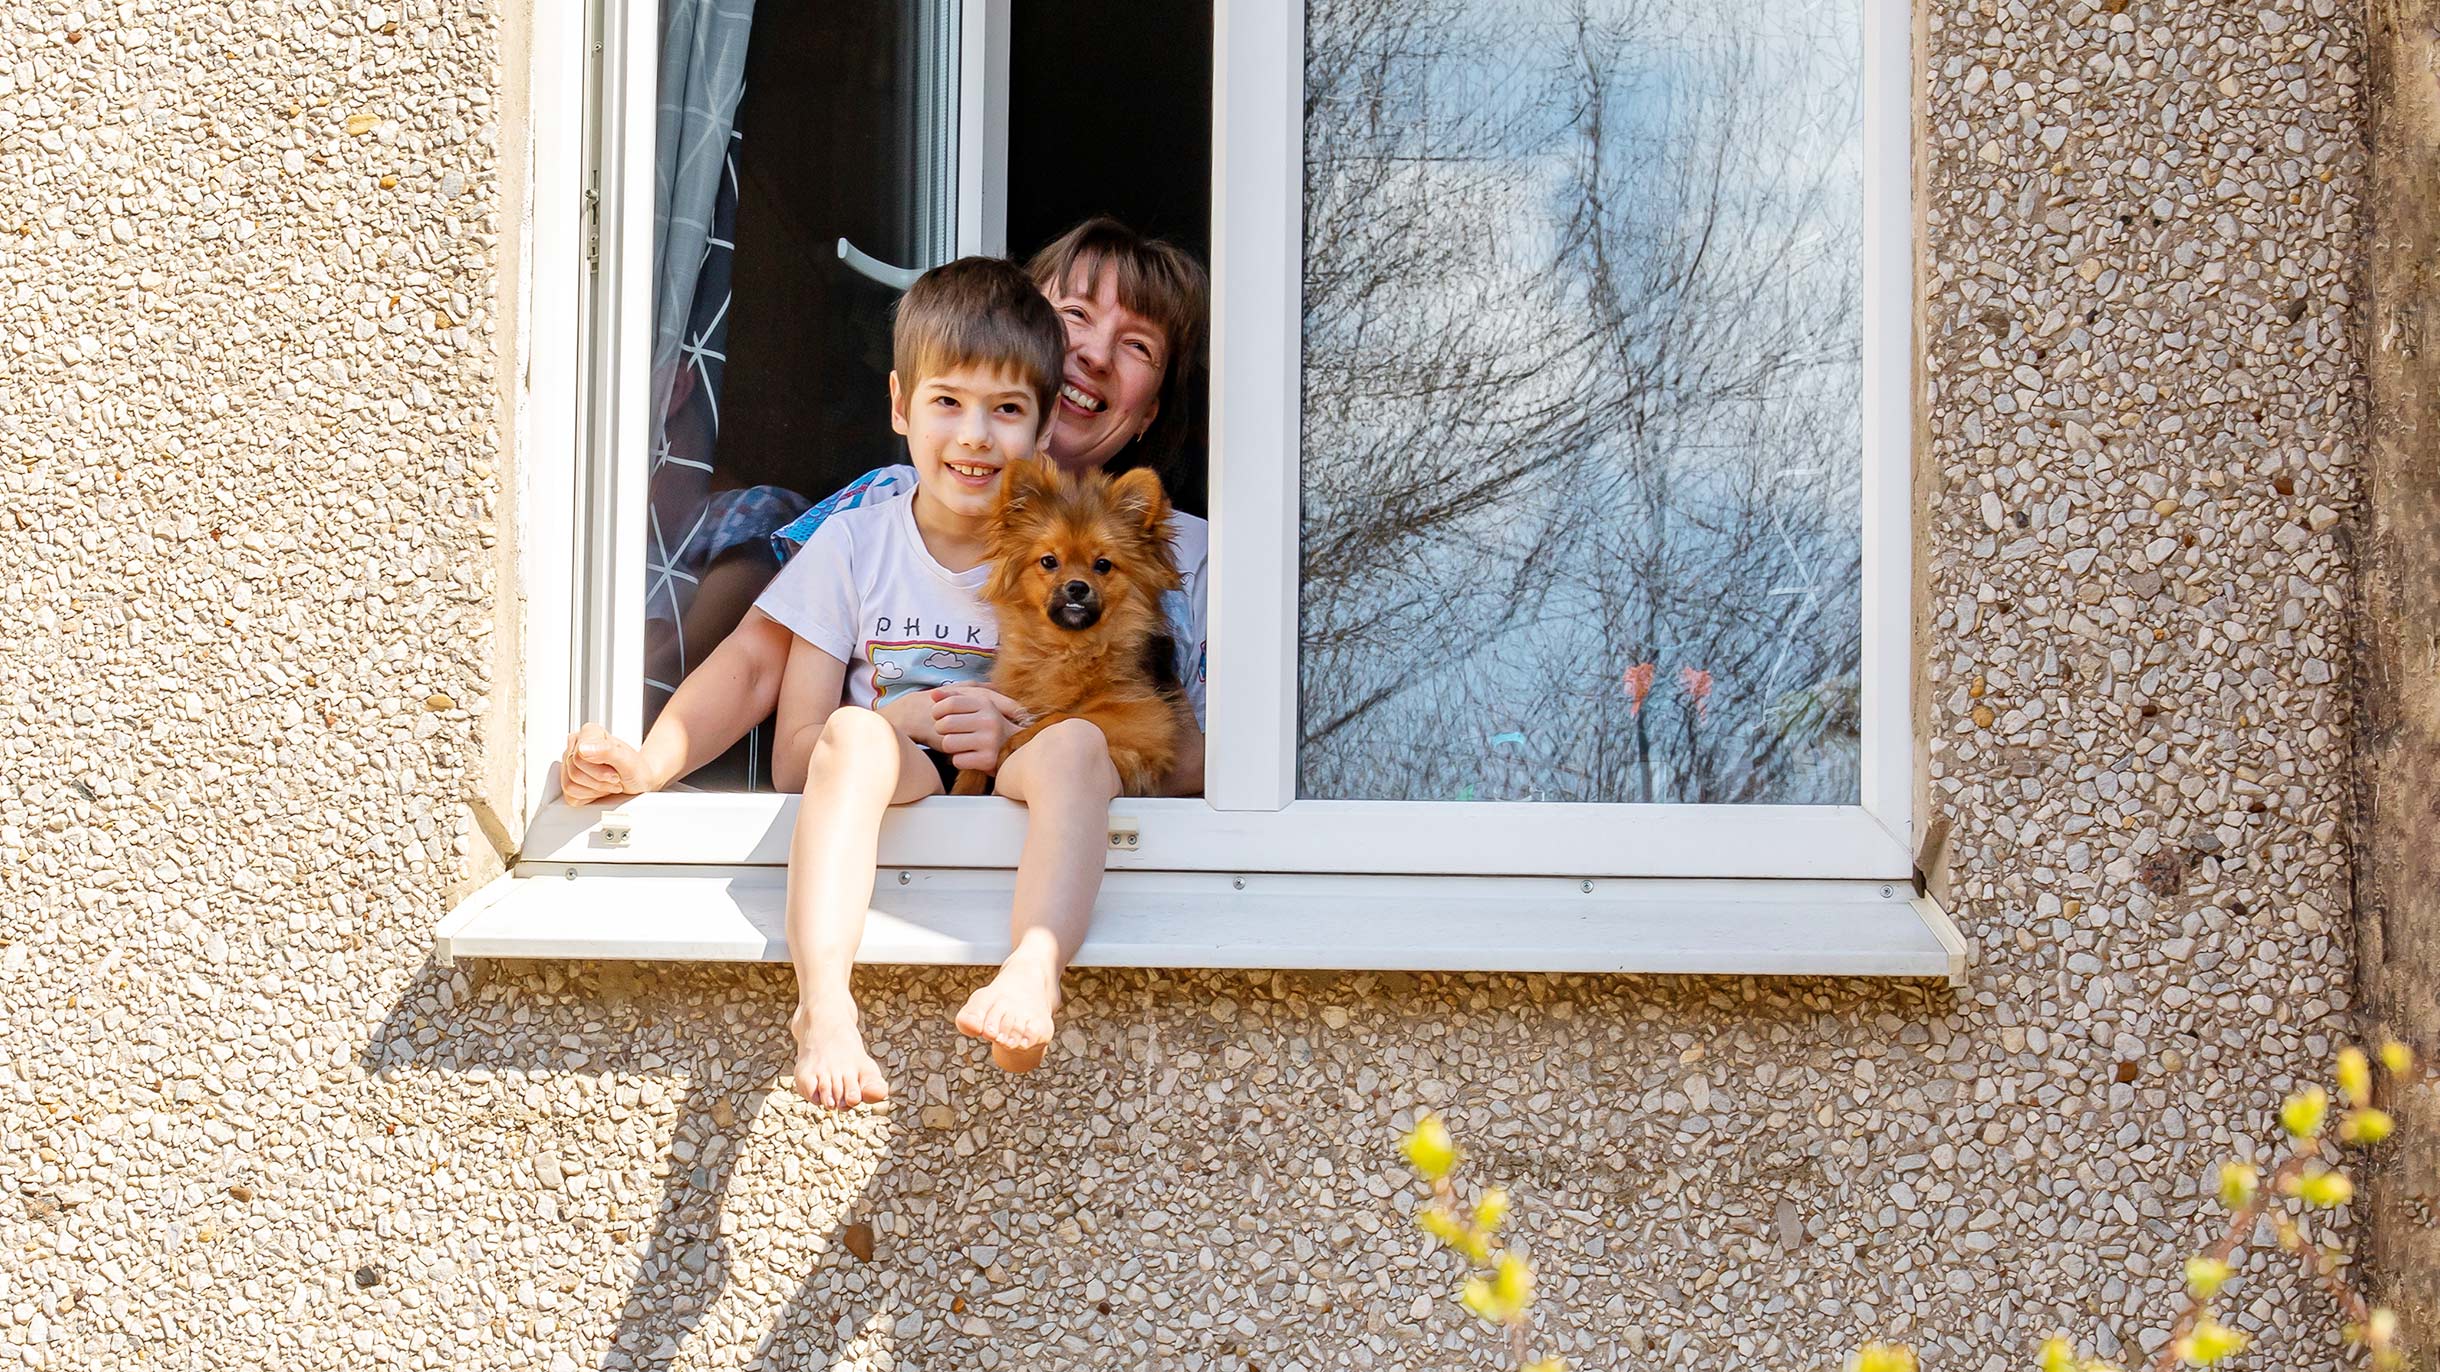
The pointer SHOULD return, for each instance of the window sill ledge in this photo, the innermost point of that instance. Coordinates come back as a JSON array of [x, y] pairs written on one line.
[[1194, 919]]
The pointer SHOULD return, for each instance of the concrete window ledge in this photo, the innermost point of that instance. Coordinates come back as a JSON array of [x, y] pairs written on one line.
[[1254, 920]]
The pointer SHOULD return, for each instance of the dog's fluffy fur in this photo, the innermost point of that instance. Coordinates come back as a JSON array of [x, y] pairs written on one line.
[[1079, 565]]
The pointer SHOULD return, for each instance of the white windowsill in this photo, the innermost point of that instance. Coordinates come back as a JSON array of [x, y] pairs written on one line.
[[1195, 919]]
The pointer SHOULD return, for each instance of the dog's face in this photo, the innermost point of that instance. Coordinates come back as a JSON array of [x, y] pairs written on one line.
[[1081, 552]]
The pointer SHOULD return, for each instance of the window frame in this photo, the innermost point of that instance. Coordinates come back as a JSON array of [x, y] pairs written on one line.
[[584, 610], [1257, 254]]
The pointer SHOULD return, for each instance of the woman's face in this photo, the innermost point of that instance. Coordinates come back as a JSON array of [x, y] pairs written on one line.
[[1115, 361]]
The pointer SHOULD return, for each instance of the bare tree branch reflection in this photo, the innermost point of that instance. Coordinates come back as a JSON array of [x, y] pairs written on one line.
[[1580, 422]]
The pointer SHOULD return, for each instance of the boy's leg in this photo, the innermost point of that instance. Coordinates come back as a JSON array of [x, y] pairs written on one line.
[[861, 766], [1064, 776]]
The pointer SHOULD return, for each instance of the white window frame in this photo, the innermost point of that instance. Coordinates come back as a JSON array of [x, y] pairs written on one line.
[[584, 617]]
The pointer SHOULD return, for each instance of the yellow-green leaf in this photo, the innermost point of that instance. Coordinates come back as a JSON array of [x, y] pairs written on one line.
[[1885, 1357], [2366, 1126], [2354, 1076], [2325, 1188], [1430, 1148], [2302, 1114], [2398, 1058], [1512, 1282], [1491, 1210], [2205, 1277], [2210, 1342], [1447, 1228]]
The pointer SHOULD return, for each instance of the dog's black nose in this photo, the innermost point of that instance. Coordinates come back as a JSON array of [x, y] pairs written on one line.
[[1077, 591]]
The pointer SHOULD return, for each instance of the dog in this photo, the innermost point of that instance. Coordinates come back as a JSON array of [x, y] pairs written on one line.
[[1079, 566]]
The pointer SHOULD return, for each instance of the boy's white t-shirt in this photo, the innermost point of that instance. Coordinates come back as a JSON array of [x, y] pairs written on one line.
[[865, 590], [890, 488]]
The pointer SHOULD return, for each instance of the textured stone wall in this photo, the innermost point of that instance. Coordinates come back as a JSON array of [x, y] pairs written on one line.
[[254, 465]]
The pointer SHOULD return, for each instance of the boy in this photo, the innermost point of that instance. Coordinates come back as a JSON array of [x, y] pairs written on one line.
[[884, 599]]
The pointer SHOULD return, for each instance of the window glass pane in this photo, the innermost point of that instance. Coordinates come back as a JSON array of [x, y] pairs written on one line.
[[1581, 455]]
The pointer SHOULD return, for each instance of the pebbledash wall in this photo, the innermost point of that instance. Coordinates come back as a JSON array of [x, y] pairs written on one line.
[[257, 277]]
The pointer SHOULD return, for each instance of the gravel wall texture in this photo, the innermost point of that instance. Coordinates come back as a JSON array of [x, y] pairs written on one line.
[[248, 276]]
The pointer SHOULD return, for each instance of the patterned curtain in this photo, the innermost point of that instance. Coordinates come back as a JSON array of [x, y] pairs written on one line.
[[702, 77], [680, 509]]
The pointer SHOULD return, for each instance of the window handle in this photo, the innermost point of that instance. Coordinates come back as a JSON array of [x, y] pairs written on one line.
[[865, 264]]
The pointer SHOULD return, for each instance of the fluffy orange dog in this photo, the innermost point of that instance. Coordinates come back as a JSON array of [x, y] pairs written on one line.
[[1079, 564]]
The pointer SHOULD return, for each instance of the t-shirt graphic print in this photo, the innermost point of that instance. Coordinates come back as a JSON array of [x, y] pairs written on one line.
[[865, 590], [903, 665]]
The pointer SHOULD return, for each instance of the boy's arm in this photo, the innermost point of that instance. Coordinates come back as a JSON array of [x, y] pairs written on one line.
[[812, 687], [732, 691]]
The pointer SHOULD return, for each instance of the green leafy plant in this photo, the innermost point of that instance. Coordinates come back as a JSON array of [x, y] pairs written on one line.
[[1498, 1286]]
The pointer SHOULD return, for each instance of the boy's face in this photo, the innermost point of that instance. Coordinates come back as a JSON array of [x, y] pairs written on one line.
[[963, 426]]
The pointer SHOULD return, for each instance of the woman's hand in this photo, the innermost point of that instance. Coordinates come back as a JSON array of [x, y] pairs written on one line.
[[975, 724]]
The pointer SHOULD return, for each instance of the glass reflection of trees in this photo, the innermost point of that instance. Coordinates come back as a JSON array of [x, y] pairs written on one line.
[[1581, 442]]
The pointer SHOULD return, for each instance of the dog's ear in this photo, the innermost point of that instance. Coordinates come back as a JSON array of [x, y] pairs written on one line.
[[1137, 497], [1028, 481]]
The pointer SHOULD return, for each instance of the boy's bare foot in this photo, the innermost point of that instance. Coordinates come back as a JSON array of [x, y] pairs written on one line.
[[832, 1067], [1013, 1011]]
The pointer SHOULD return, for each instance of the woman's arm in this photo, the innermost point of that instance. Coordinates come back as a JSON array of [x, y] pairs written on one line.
[[1186, 775]]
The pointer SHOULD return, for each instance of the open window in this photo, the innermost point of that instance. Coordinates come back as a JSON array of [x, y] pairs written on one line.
[[1558, 471]]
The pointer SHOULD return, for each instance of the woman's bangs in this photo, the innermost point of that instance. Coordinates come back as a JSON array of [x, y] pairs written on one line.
[[1148, 285]]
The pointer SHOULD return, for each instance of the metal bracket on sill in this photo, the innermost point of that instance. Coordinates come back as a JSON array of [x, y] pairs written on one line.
[[1125, 837], [1932, 856]]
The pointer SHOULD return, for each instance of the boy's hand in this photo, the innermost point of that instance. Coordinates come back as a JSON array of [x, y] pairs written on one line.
[[597, 767], [911, 715], [975, 724]]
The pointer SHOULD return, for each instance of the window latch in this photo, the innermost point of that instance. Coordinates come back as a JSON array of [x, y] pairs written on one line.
[[616, 829], [593, 220]]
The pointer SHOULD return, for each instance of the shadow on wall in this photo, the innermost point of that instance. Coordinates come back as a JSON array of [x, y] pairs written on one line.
[[571, 1044], [1201, 1144]]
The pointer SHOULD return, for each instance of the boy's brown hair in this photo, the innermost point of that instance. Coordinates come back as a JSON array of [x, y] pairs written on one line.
[[979, 312], [1156, 279]]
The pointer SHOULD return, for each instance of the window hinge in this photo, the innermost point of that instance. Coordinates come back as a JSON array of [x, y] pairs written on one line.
[[593, 220]]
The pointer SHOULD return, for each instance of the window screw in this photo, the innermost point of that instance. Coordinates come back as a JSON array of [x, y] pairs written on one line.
[[1239, 883], [1587, 888], [1885, 893], [571, 874], [904, 878]]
